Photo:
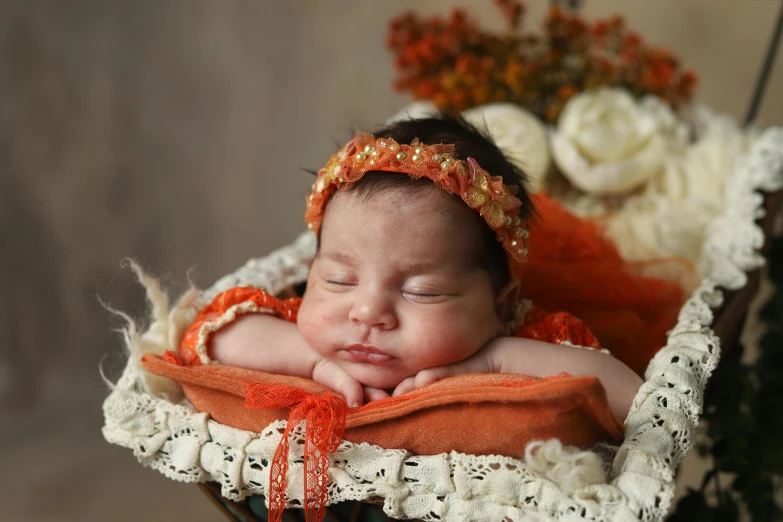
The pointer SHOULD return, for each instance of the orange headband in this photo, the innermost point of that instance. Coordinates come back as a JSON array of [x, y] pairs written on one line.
[[495, 201]]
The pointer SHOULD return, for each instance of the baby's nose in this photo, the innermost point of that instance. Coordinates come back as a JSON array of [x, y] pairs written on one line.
[[373, 312]]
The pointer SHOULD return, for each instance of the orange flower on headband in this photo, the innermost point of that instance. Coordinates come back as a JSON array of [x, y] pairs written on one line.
[[497, 203]]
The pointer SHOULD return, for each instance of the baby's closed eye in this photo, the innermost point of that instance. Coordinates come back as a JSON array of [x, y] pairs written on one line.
[[339, 282], [425, 297], [425, 294]]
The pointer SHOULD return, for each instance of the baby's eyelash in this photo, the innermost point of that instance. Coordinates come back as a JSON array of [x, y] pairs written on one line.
[[423, 296], [339, 283]]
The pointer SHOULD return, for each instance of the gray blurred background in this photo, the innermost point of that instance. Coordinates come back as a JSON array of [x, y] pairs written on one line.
[[176, 132]]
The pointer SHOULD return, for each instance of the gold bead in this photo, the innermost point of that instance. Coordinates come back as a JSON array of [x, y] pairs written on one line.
[[400, 156], [374, 153], [446, 165], [508, 220], [438, 158], [461, 169], [416, 157], [394, 147], [310, 226], [517, 221], [418, 150], [524, 251], [360, 157], [367, 148]]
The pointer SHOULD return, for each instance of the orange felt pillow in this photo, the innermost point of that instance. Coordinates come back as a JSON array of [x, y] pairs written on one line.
[[478, 414]]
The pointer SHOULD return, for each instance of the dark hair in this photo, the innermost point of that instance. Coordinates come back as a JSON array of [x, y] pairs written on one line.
[[468, 142]]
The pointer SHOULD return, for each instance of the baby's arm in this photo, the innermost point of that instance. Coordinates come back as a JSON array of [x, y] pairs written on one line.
[[538, 359], [270, 344]]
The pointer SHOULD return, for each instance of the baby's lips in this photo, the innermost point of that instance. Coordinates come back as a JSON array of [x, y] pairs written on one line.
[[368, 354], [366, 348]]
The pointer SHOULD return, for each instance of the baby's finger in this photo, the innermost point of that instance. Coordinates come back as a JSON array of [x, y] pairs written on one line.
[[430, 375], [352, 390], [331, 375], [405, 386], [374, 394]]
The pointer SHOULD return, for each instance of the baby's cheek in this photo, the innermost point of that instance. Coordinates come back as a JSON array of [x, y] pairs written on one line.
[[435, 343], [315, 324], [450, 327], [455, 340]]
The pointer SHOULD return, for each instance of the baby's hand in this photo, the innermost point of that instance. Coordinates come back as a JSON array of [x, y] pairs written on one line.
[[374, 394], [477, 363], [423, 378], [331, 375]]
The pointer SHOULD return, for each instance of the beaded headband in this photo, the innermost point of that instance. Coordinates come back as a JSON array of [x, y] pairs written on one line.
[[495, 201]]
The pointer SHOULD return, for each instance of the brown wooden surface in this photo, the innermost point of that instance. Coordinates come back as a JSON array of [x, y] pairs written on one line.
[[730, 317]]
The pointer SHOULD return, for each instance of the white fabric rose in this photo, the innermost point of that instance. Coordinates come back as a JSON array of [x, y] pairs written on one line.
[[516, 131], [416, 110], [607, 143], [691, 190], [671, 215], [519, 134]]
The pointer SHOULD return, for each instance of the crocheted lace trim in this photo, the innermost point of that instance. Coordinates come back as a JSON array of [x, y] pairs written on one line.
[[225, 318], [189, 447]]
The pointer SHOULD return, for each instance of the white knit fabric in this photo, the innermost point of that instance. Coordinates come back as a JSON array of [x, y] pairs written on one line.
[[189, 447]]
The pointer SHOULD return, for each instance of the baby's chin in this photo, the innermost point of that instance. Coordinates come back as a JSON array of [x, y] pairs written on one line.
[[374, 376]]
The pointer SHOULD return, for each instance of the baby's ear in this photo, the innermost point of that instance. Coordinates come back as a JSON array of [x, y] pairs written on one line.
[[501, 308], [508, 295]]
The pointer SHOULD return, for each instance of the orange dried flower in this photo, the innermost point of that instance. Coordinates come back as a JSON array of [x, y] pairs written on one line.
[[457, 65], [567, 91]]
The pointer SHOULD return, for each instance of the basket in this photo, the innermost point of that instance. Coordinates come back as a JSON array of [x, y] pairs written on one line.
[[370, 483]]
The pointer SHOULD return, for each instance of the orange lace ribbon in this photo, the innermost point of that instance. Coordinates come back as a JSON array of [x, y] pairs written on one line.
[[324, 416]]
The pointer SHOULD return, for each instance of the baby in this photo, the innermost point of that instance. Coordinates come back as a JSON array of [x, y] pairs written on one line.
[[416, 278]]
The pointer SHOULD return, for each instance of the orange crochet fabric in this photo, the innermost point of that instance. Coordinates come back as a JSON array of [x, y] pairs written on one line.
[[263, 302], [573, 267]]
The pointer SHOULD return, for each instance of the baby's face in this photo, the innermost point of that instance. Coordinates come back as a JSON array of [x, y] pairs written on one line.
[[395, 287]]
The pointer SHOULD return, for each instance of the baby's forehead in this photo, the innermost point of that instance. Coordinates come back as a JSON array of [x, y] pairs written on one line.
[[426, 222], [431, 201]]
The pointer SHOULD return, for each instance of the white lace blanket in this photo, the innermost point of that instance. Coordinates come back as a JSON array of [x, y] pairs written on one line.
[[188, 446]]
